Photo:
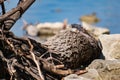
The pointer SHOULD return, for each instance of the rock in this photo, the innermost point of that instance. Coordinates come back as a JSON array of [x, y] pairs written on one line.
[[92, 18], [92, 74], [51, 28], [31, 30], [75, 48], [97, 31], [99, 70], [75, 77], [107, 69], [111, 46], [47, 28]]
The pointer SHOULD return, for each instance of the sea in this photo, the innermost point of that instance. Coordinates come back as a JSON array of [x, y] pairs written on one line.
[[108, 11]]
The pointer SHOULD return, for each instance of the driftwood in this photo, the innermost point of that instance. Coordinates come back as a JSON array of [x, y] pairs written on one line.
[[13, 15], [24, 58]]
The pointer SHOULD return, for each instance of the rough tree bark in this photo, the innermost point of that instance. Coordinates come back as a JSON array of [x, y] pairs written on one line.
[[13, 15]]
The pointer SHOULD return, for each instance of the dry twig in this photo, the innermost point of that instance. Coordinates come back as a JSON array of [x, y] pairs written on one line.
[[36, 62]]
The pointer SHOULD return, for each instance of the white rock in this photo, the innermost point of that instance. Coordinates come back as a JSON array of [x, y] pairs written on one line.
[[107, 69], [97, 31], [51, 27], [75, 77], [111, 46], [92, 74], [31, 30]]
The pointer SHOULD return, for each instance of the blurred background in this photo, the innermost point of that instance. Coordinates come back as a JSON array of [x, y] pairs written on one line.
[[107, 11]]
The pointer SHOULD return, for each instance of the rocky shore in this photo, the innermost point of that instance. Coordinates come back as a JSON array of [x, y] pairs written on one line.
[[108, 66], [72, 53], [99, 70]]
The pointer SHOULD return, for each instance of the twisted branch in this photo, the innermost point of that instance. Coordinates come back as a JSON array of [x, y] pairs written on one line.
[[13, 15]]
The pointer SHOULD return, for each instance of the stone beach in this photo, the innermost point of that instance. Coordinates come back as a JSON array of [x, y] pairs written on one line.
[[107, 68], [108, 63], [57, 50]]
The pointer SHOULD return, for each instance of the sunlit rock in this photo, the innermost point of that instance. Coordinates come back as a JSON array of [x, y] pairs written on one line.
[[49, 28], [75, 77], [107, 69], [97, 31], [111, 46], [31, 30]]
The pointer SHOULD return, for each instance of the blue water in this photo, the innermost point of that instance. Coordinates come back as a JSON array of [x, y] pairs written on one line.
[[57, 10]]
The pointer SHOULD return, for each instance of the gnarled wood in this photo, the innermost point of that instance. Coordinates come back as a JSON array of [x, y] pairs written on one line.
[[26, 59], [13, 15]]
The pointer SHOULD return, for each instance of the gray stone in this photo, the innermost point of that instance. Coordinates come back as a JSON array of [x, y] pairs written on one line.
[[107, 69], [92, 74], [99, 70], [111, 46], [75, 77]]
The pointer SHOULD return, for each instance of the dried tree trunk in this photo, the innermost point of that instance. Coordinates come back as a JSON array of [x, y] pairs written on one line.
[[13, 15]]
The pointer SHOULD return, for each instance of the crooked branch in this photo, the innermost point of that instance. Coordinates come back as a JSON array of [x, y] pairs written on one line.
[[13, 15]]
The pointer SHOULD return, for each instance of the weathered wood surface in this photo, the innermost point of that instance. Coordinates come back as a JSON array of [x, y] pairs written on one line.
[[14, 14], [26, 59]]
